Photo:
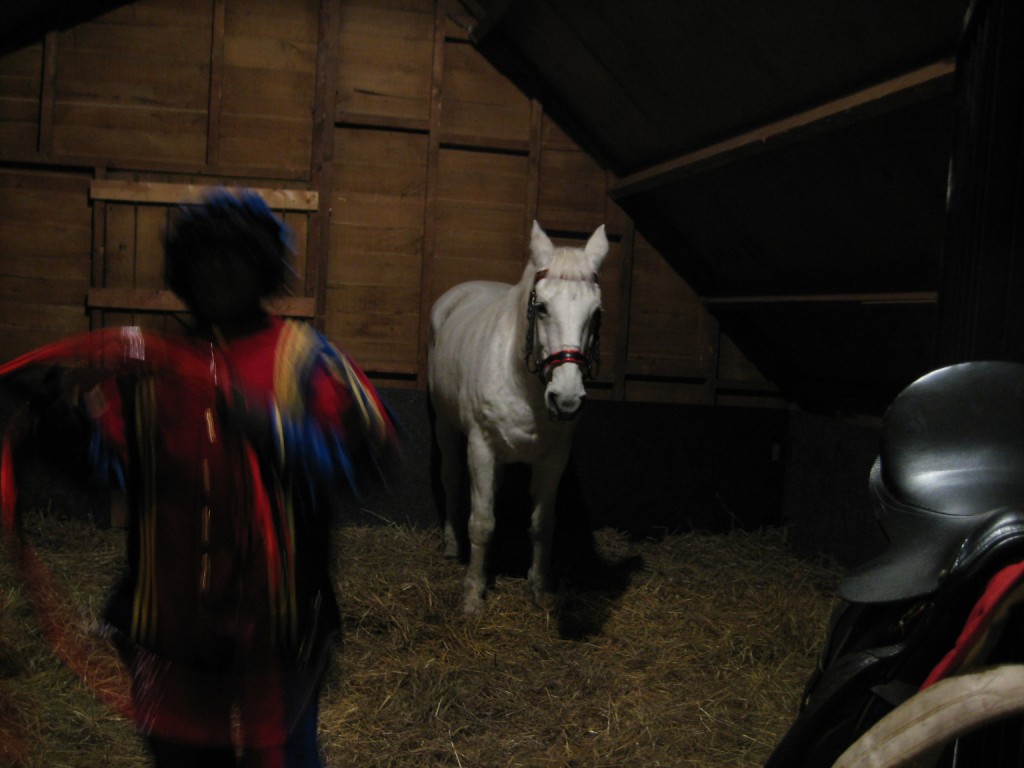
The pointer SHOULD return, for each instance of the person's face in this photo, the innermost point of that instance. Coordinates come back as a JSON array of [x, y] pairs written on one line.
[[225, 291]]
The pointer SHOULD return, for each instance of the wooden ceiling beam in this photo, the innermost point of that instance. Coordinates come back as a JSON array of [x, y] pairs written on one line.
[[894, 297], [877, 99]]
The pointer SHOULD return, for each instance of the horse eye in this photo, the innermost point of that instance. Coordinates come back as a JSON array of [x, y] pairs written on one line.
[[542, 310]]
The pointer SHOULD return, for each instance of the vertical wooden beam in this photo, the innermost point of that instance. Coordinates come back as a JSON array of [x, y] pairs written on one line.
[[98, 266], [533, 175], [625, 301], [48, 95], [216, 99], [430, 201], [322, 167]]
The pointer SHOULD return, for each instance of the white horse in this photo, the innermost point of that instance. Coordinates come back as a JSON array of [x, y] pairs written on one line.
[[506, 368]]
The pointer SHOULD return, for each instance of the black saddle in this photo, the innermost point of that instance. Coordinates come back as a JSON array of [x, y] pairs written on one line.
[[948, 483], [948, 493]]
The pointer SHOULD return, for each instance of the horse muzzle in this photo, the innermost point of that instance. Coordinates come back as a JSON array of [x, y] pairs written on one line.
[[564, 408], [565, 394]]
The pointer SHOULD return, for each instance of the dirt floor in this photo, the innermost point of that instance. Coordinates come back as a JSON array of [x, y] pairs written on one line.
[[687, 651]]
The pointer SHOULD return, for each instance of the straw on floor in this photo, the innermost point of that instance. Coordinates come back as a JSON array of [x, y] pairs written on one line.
[[688, 651]]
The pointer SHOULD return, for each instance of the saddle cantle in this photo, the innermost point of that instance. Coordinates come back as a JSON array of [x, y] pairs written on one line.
[[948, 484]]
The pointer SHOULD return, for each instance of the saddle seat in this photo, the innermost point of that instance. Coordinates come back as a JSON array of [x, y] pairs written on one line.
[[947, 488]]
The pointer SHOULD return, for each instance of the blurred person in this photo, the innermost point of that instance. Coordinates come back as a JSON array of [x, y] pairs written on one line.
[[231, 443]]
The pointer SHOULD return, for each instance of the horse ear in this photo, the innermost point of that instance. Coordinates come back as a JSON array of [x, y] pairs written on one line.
[[597, 248], [541, 247]]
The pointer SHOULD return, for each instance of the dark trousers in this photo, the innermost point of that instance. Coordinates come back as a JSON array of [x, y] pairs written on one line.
[[300, 751]]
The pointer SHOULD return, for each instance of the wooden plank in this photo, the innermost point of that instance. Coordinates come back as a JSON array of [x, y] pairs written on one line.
[[363, 120], [161, 193], [300, 226], [146, 300], [869, 101], [98, 256], [269, 82], [377, 241], [534, 173], [119, 247], [573, 191], [385, 61], [908, 297], [282, 141], [150, 223], [322, 155], [42, 290], [216, 89], [134, 299], [478, 101], [670, 332], [483, 180], [364, 267], [155, 135], [48, 96]]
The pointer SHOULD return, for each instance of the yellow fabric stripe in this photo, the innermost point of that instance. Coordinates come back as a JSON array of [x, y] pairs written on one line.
[[291, 360]]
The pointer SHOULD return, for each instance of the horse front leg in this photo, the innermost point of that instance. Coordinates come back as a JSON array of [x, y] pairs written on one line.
[[544, 480], [483, 475]]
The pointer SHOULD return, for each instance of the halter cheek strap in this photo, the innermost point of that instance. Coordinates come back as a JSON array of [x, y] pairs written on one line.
[[586, 361]]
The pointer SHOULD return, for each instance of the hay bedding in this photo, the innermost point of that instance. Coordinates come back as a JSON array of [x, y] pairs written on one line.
[[694, 654]]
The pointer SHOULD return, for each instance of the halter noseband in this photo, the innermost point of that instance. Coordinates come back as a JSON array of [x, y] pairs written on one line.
[[588, 361]]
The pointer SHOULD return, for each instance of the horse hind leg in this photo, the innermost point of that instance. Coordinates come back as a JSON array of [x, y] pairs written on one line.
[[483, 477], [544, 491], [451, 446]]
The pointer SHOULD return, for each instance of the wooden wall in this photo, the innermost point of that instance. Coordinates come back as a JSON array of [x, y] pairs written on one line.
[[402, 160]]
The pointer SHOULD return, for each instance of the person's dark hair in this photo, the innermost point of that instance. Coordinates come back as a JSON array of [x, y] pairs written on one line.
[[226, 226]]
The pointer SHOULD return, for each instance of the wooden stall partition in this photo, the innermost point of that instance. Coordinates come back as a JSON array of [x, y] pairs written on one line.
[[385, 63], [671, 337], [45, 240], [430, 168], [133, 84], [373, 275], [480, 107], [481, 207], [20, 84], [382, 156], [266, 86], [127, 275], [573, 195], [485, 181]]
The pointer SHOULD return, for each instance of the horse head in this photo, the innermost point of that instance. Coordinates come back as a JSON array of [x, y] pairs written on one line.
[[564, 315]]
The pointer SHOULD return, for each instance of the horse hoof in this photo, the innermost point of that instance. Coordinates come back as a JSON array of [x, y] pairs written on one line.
[[546, 601], [472, 595]]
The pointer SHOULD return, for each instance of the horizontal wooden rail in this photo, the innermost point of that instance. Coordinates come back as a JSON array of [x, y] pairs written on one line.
[[879, 97], [160, 193], [143, 300], [920, 297]]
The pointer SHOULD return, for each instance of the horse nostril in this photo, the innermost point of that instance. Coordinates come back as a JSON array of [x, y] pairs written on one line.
[[565, 407]]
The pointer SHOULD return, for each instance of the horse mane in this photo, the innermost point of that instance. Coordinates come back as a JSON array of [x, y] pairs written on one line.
[[570, 264]]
